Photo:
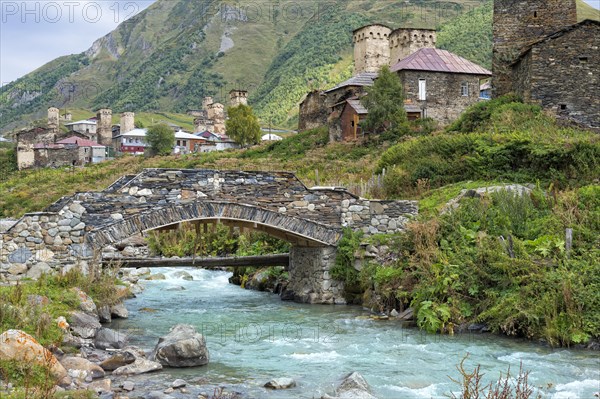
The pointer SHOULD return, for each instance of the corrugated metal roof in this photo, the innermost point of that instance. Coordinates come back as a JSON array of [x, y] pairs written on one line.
[[79, 141], [358, 107], [362, 79], [436, 60]]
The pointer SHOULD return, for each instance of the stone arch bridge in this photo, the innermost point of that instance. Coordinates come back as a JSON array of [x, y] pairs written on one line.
[[74, 230]]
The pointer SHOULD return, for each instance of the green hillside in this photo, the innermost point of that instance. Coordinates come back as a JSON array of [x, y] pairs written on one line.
[[175, 52]]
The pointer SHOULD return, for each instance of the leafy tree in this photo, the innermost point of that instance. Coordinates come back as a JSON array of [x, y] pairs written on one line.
[[242, 125], [385, 102], [161, 139], [139, 124]]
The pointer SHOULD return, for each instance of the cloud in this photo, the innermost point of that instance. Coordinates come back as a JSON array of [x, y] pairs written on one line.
[[35, 32]]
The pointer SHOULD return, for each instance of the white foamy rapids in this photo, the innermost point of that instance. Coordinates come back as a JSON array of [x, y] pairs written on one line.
[[429, 391], [318, 357], [208, 278], [576, 389]]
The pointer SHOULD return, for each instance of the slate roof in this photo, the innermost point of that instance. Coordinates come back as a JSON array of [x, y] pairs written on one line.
[[436, 60], [362, 79], [357, 106], [79, 141]]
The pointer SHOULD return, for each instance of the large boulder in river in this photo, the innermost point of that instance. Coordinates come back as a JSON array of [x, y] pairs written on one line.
[[181, 347], [22, 347], [139, 366], [352, 386]]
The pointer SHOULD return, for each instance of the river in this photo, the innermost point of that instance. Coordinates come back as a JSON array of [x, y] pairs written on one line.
[[254, 336]]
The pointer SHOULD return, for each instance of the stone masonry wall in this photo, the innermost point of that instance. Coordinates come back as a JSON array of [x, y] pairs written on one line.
[[565, 74], [42, 242], [519, 23], [444, 101], [313, 111], [310, 280]]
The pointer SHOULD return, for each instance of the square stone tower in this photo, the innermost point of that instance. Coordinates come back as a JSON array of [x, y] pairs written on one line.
[[127, 122], [517, 24], [238, 97], [404, 42], [371, 48], [53, 119], [104, 126]]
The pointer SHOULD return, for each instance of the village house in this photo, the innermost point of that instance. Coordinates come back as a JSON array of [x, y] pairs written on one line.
[[437, 83], [51, 147], [85, 126], [545, 55]]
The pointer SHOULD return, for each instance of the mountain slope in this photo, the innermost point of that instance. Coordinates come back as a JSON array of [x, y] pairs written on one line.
[[175, 52]]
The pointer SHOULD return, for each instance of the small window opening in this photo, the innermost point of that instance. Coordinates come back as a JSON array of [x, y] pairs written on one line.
[[563, 107], [464, 89], [583, 59], [535, 14]]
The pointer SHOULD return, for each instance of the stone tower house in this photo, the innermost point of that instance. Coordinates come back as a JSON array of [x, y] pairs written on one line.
[[371, 48], [127, 122], [404, 42], [53, 118], [104, 126], [206, 101], [517, 24], [238, 97]]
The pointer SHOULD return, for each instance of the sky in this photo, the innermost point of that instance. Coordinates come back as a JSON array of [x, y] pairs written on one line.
[[33, 33]]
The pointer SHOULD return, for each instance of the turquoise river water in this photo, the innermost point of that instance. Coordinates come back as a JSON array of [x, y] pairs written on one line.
[[254, 336]]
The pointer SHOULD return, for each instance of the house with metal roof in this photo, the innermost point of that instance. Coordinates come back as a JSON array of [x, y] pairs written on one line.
[[439, 84]]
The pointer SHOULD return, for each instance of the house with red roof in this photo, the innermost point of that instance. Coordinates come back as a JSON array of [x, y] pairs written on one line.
[[439, 84]]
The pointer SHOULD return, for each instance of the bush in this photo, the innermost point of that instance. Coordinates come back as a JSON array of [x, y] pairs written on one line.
[[564, 158]]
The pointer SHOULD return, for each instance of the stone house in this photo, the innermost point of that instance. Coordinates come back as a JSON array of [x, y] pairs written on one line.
[[562, 73], [85, 126], [439, 84], [92, 151], [543, 53]]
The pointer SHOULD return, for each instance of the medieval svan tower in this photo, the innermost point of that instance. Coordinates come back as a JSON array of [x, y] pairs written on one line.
[[545, 55]]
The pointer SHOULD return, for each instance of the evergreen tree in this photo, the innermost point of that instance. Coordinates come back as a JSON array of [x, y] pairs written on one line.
[[161, 139], [385, 102], [242, 125]]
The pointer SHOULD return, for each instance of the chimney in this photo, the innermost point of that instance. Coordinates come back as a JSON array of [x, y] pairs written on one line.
[[127, 122], [104, 126], [238, 97]]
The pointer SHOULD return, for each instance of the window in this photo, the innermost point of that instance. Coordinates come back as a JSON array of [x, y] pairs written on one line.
[[583, 60], [464, 89], [184, 143], [422, 90], [563, 106], [535, 14]]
